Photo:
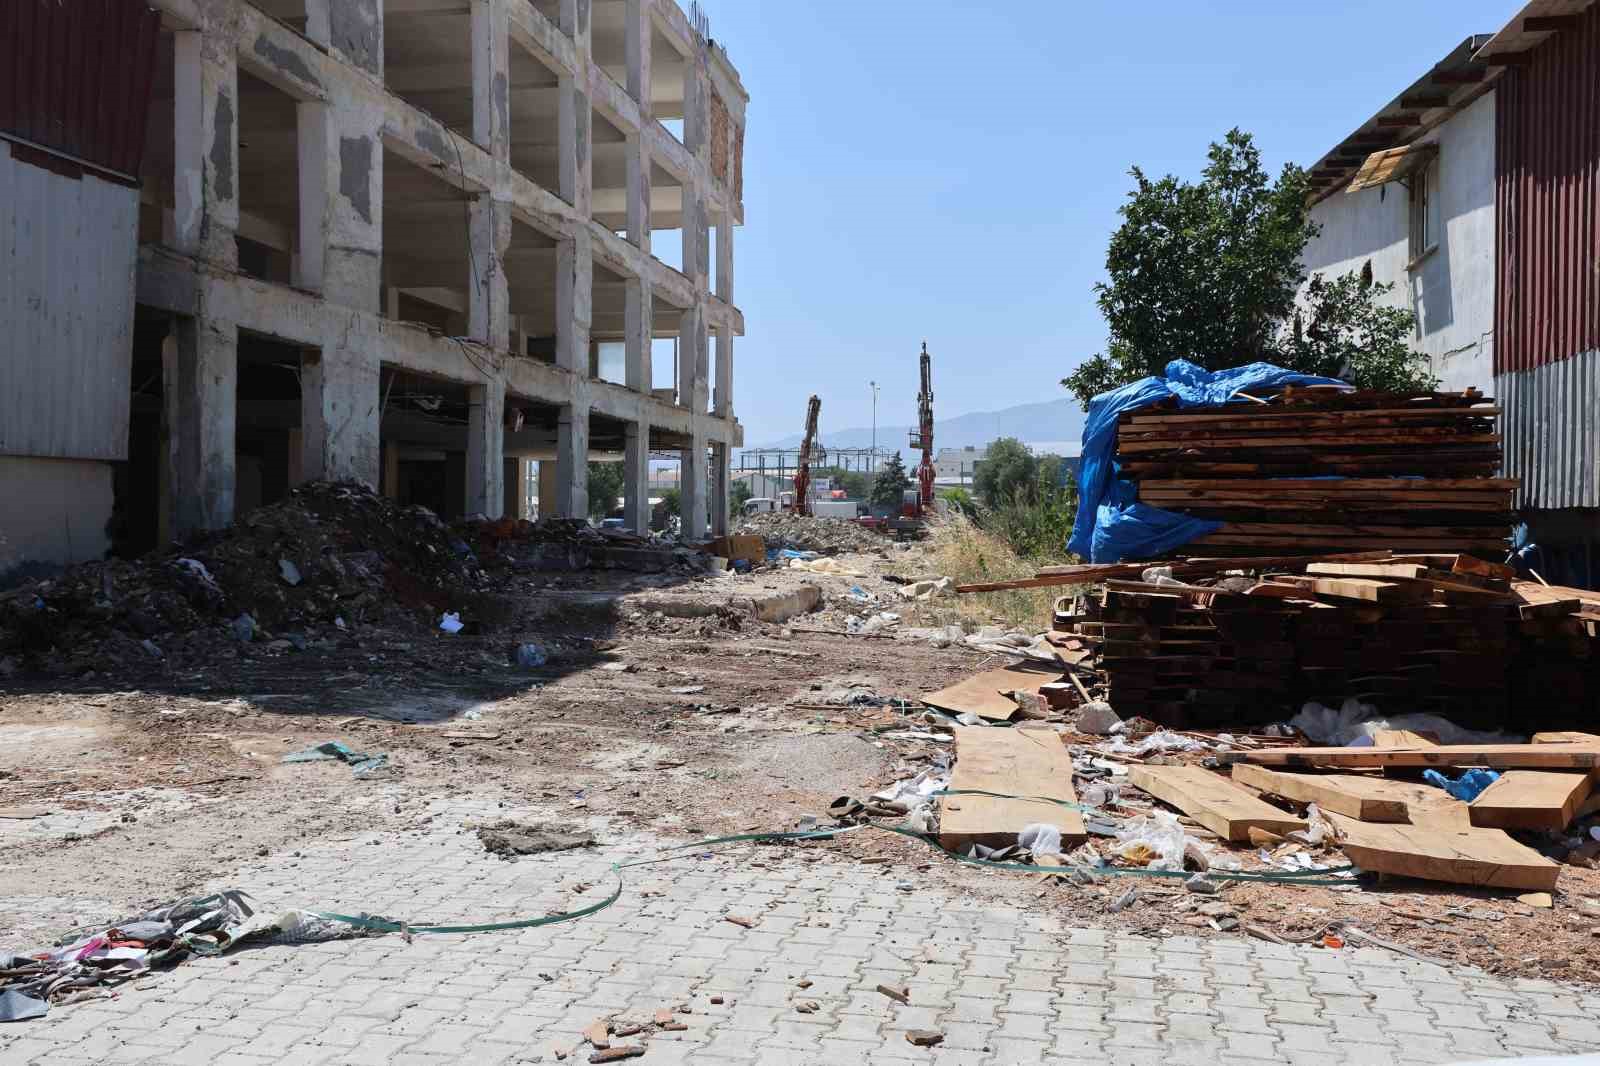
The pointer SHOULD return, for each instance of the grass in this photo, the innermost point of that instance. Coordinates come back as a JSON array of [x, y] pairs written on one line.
[[960, 550]]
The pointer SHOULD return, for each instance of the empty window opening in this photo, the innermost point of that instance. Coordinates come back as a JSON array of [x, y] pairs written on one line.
[[666, 218], [608, 326], [535, 120], [427, 223], [664, 362], [267, 433], [427, 60], [530, 262], [667, 71], [608, 201], [269, 211], [423, 439]]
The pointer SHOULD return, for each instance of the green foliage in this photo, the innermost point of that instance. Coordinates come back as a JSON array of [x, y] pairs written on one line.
[[672, 502], [888, 488], [1344, 331], [856, 485], [960, 501], [1035, 521], [1007, 465], [1208, 271], [605, 485], [738, 494]]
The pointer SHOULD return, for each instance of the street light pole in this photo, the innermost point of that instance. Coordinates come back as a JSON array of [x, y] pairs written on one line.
[[872, 460]]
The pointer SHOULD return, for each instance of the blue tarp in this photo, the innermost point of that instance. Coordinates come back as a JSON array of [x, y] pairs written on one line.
[[1111, 524]]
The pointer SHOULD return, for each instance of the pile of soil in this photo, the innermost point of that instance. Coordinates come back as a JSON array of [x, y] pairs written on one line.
[[828, 536], [327, 556]]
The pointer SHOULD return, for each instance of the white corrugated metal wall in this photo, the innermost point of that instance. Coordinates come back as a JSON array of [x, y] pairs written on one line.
[[68, 251], [1552, 432]]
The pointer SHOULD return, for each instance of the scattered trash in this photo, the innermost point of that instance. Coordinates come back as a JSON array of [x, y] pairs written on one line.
[[899, 995], [450, 622], [1466, 787], [1199, 884], [361, 764], [19, 1006], [1332, 942], [244, 628], [1542, 900], [1355, 721], [510, 839], [1124, 901], [1096, 718], [1040, 839], [289, 571], [924, 1037], [859, 594], [530, 656], [1156, 841]]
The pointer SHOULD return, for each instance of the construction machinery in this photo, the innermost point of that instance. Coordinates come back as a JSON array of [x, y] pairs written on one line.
[[923, 437], [802, 473]]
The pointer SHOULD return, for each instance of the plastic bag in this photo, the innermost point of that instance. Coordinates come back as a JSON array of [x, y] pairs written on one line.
[[1155, 841], [1041, 838], [1466, 787]]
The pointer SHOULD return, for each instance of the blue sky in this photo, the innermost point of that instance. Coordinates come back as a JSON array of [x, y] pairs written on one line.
[[950, 171]]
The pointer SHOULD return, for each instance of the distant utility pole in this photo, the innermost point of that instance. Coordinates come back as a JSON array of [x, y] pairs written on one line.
[[873, 459]]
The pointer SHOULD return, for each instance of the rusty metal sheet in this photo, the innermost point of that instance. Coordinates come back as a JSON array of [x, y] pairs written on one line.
[[75, 77]]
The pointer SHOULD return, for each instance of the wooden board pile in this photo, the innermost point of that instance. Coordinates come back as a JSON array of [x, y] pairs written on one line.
[[1323, 470], [1229, 643]]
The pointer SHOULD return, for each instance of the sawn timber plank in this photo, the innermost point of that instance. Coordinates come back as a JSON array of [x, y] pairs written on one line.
[[1495, 756], [1013, 762], [1483, 858], [1213, 801], [1531, 799]]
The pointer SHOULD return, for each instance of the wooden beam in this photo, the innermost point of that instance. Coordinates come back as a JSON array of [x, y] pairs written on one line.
[[1495, 756], [1483, 858], [1401, 121], [988, 694], [1213, 801], [1012, 762], [1367, 798], [1424, 102], [1459, 76], [1531, 799]]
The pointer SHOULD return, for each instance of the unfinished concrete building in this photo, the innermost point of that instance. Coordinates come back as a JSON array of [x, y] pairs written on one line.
[[414, 243]]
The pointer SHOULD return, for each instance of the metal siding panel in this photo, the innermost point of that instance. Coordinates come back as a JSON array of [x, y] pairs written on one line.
[[76, 76], [1547, 253], [68, 255]]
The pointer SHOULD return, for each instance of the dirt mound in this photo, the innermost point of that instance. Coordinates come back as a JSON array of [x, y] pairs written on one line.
[[802, 533], [327, 555]]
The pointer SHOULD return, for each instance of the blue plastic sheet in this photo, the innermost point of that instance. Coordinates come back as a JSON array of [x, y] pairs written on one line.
[[1111, 524], [1467, 787]]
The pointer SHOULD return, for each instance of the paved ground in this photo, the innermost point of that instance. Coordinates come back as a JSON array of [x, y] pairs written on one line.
[[1002, 985]]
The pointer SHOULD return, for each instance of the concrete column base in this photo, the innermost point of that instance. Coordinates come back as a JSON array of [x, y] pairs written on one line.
[[486, 449], [636, 477], [201, 368], [339, 397]]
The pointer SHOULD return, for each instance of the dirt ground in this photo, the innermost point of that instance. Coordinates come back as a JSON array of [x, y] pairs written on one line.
[[664, 705]]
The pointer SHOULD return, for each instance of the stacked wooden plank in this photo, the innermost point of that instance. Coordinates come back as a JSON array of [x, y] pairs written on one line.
[[1450, 635], [1318, 470]]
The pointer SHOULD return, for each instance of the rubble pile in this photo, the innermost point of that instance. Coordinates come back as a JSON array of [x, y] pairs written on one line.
[[827, 536], [327, 555]]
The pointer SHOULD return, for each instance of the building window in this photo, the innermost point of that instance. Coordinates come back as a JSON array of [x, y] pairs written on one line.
[[1424, 186]]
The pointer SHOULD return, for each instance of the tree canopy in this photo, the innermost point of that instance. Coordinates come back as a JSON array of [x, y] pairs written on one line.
[[1210, 271], [889, 487], [1007, 465], [605, 485]]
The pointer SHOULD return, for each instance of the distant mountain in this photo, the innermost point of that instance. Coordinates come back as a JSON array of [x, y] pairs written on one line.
[[1054, 421]]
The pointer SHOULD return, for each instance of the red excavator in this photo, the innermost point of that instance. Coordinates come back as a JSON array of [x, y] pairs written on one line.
[[909, 522], [802, 473]]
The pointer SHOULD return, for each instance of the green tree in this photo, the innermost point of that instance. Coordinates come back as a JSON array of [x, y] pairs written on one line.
[[605, 485], [738, 495], [1006, 465], [672, 502], [1344, 331], [1209, 271], [960, 500], [889, 487]]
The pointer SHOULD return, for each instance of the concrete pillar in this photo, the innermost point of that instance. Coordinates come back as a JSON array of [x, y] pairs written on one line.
[[692, 488], [638, 317], [692, 386], [572, 461], [548, 480], [724, 279], [486, 449], [636, 31], [491, 78], [200, 365], [391, 470], [339, 398], [206, 149], [637, 28], [636, 476], [350, 29], [574, 301], [340, 163], [576, 120], [488, 297], [719, 489], [723, 394]]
